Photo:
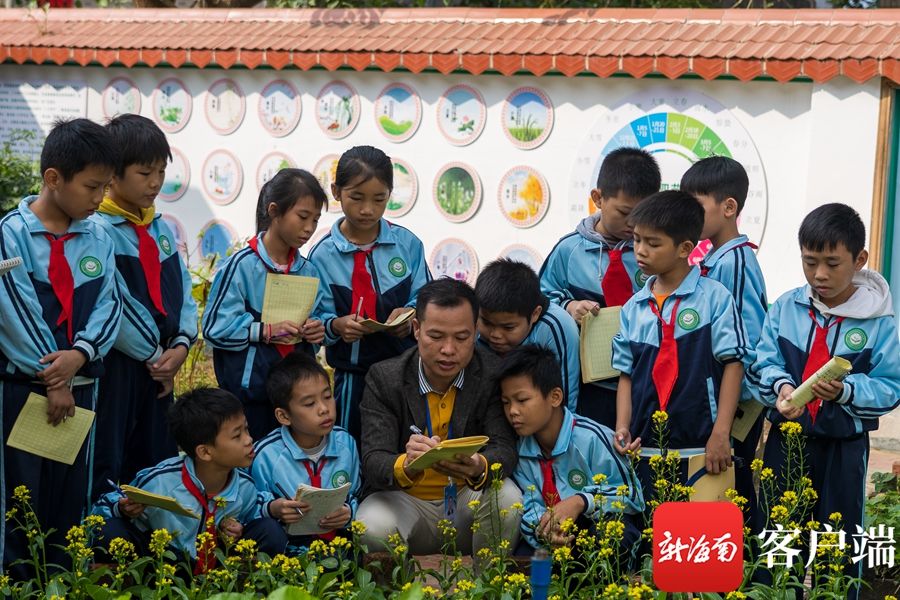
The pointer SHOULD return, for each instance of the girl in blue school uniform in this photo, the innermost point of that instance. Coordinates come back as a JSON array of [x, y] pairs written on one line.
[[369, 268], [244, 348]]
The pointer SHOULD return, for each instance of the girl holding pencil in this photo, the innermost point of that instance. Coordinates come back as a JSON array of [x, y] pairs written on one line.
[[369, 269]]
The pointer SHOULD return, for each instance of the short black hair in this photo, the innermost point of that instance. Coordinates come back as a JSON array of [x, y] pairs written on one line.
[[674, 212], [138, 141], [284, 189], [198, 415], [445, 292], [72, 146], [631, 171], [721, 177], [830, 225], [507, 285], [294, 367], [364, 162], [537, 362]]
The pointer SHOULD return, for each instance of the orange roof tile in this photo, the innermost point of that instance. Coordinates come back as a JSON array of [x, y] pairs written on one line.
[[782, 44]]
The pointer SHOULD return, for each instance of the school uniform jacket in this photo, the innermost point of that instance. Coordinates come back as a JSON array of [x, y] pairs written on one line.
[[28, 305], [243, 502], [709, 334], [398, 269], [279, 460], [734, 265], [557, 331], [146, 332], [233, 317], [583, 449], [868, 340], [575, 266]]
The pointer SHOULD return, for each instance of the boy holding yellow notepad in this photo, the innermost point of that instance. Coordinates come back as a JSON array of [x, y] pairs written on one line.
[[844, 311]]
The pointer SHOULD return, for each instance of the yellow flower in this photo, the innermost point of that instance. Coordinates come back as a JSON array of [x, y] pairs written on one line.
[[456, 565], [21, 494], [495, 468], [566, 526], [835, 517], [562, 554], [94, 521], [809, 495], [205, 541], [736, 596], [517, 506], [660, 417], [622, 490], [615, 529], [504, 544], [474, 504], [483, 553], [757, 465], [791, 428], [789, 497], [357, 528], [430, 592], [159, 539], [319, 548], [617, 505], [464, 585], [613, 590], [598, 479], [766, 474], [220, 502], [779, 513], [400, 549], [531, 488], [122, 550]]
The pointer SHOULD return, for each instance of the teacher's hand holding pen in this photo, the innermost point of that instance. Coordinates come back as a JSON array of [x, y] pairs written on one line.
[[579, 308], [417, 445]]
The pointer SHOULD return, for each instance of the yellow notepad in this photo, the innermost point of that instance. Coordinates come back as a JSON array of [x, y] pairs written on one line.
[[448, 449], [745, 418], [150, 499], [708, 487], [595, 347], [372, 325], [322, 501], [835, 369], [288, 298], [32, 433]]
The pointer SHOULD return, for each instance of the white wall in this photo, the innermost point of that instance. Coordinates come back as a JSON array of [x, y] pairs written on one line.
[[816, 144]]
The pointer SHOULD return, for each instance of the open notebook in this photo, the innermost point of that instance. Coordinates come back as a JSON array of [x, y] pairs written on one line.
[[288, 298], [448, 449]]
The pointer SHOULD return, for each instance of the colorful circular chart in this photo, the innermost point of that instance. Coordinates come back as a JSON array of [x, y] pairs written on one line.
[[222, 177], [178, 177], [172, 104], [269, 165], [225, 106], [524, 196], [456, 259], [180, 237], [325, 171], [337, 109], [406, 189], [279, 107], [527, 117], [523, 253], [461, 114], [457, 192], [398, 112], [678, 127], [217, 238], [120, 97]]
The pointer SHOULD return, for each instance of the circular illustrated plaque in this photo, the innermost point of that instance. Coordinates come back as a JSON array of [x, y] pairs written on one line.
[[217, 238], [524, 196], [279, 107], [457, 192], [180, 237], [461, 114], [337, 109], [178, 176], [225, 106], [325, 171], [527, 117], [222, 177], [524, 254], [172, 103], [456, 259], [398, 112], [120, 97], [406, 189], [271, 164]]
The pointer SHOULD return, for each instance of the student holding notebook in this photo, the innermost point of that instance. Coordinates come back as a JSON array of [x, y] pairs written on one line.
[[244, 347]]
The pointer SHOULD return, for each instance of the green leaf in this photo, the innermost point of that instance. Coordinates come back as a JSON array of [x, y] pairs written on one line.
[[290, 592], [413, 593], [232, 596]]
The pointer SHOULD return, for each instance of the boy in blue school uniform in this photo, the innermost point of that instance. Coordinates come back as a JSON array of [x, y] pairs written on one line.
[[512, 312], [159, 322], [594, 266], [567, 460], [720, 185], [210, 428], [681, 345], [307, 448], [844, 310], [61, 312]]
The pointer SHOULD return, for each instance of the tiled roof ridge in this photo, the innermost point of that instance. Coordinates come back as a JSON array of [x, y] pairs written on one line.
[[744, 43]]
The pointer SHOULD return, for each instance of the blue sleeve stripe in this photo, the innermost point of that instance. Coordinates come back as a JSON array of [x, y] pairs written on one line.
[[155, 472], [129, 314], [739, 331], [267, 441], [632, 489], [559, 337], [230, 270], [109, 326]]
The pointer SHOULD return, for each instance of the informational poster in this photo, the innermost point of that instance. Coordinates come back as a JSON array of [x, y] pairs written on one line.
[[32, 107]]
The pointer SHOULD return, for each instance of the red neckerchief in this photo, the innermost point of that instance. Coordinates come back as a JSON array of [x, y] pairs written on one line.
[[665, 368], [206, 557], [61, 281], [818, 356]]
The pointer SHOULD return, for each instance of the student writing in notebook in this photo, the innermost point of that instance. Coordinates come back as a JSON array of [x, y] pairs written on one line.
[[210, 428], [307, 448], [61, 312], [681, 347], [244, 348], [370, 269], [594, 266]]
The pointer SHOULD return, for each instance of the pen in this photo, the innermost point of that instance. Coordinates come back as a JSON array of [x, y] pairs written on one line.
[[286, 496], [359, 308], [115, 487], [415, 430]]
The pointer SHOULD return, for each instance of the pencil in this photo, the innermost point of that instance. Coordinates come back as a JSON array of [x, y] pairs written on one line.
[[358, 308], [286, 496]]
